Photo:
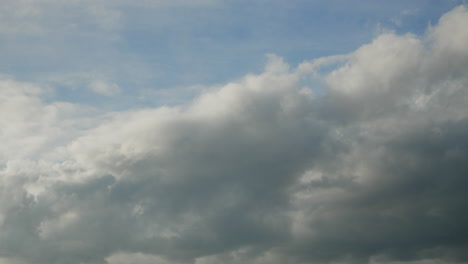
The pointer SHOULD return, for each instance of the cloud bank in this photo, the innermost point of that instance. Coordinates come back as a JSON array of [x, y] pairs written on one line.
[[260, 170]]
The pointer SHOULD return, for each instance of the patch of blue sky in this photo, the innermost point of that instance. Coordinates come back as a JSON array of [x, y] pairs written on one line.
[[154, 54]]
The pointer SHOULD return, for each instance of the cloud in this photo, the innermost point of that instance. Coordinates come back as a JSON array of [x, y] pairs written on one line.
[[31, 127], [34, 17], [259, 170], [104, 88], [398, 20]]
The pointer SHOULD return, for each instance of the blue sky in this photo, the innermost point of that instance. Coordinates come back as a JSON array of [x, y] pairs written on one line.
[[147, 46]]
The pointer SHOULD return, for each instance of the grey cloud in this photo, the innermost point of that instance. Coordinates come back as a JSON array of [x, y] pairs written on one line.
[[406, 201], [260, 171]]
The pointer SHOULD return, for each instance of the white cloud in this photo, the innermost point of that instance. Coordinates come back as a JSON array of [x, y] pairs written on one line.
[[398, 20], [104, 88], [31, 127]]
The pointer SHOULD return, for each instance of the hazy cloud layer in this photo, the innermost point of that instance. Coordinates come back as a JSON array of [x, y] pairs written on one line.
[[260, 170]]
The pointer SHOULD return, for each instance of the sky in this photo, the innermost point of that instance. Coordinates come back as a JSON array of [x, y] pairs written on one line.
[[233, 132]]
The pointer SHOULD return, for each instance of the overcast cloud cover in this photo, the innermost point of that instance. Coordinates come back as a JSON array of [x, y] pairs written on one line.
[[360, 157]]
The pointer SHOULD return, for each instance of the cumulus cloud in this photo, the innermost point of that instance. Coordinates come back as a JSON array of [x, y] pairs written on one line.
[[259, 170]]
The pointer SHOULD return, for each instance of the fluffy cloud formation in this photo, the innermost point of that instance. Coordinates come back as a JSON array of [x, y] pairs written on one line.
[[260, 170]]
